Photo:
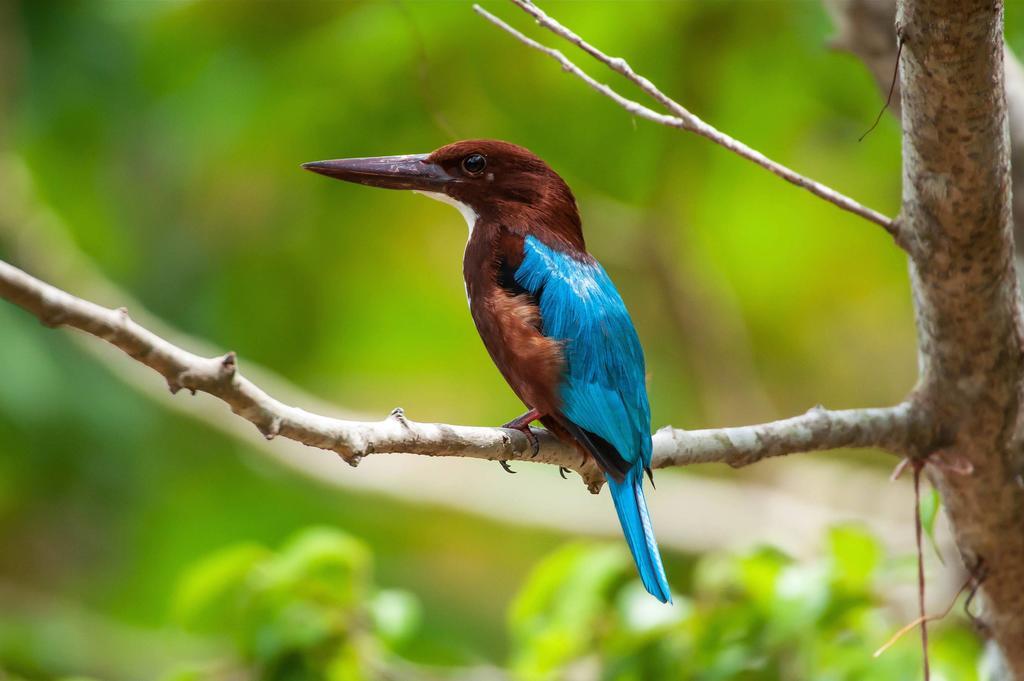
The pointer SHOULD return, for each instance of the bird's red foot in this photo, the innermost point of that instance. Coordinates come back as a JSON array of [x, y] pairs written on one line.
[[522, 424]]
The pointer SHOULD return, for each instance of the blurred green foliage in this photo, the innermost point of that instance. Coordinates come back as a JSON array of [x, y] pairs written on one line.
[[304, 612], [166, 136], [753, 616], [311, 611]]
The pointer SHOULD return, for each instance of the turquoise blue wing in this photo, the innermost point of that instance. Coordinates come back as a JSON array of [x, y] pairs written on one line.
[[604, 397], [603, 388]]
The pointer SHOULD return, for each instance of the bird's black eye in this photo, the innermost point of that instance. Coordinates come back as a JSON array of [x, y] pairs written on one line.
[[474, 164]]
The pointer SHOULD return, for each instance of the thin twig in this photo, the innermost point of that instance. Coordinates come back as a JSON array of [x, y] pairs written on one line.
[[971, 581], [681, 118], [892, 85], [918, 465]]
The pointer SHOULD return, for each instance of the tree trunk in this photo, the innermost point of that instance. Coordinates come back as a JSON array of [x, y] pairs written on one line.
[[957, 225]]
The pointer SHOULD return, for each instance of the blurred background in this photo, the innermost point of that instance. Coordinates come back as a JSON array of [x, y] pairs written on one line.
[[149, 155]]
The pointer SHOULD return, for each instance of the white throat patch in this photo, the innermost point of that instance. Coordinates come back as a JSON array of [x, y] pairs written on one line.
[[466, 211]]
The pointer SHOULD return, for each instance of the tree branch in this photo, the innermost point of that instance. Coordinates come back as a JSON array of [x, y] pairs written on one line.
[[818, 429], [956, 196], [682, 118], [867, 29], [958, 216], [34, 236]]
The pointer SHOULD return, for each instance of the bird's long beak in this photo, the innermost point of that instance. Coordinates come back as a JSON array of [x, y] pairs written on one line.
[[389, 172]]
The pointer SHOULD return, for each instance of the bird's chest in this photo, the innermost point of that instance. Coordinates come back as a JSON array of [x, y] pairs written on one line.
[[481, 264], [508, 321], [478, 270], [491, 306]]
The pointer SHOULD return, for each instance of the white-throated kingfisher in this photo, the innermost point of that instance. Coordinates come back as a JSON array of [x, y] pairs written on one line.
[[549, 315]]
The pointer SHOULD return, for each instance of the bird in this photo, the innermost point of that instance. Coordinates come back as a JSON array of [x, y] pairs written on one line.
[[548, 314]]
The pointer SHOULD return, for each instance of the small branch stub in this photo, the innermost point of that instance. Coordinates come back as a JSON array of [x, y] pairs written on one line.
[[272, 429], [229, 364], [398, 414]]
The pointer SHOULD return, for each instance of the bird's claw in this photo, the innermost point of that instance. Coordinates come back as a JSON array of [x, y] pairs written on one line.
[[525, 429], [562, 470], [504, 464], [532, 439]]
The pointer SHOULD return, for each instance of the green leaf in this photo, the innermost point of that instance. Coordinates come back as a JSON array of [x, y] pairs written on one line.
[[308, 599], [210, 591], [396, 614], [555, 619], [855, 556], [321, 563], [759, 573], [930, 505], [641, 613]]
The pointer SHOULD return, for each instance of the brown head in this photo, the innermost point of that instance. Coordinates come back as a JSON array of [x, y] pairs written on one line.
[[487, 180]]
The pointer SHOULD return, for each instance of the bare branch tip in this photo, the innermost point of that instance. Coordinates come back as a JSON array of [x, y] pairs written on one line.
[[398, 414], [354, 454], [54, 319], [182, 380], [900, 467], [229, 364], [272, 429]]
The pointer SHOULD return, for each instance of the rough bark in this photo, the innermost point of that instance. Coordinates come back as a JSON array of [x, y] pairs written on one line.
[[963, 150], [956, 216]]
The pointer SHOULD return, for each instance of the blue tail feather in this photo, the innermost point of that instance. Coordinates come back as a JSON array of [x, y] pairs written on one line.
[[628, 496]]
